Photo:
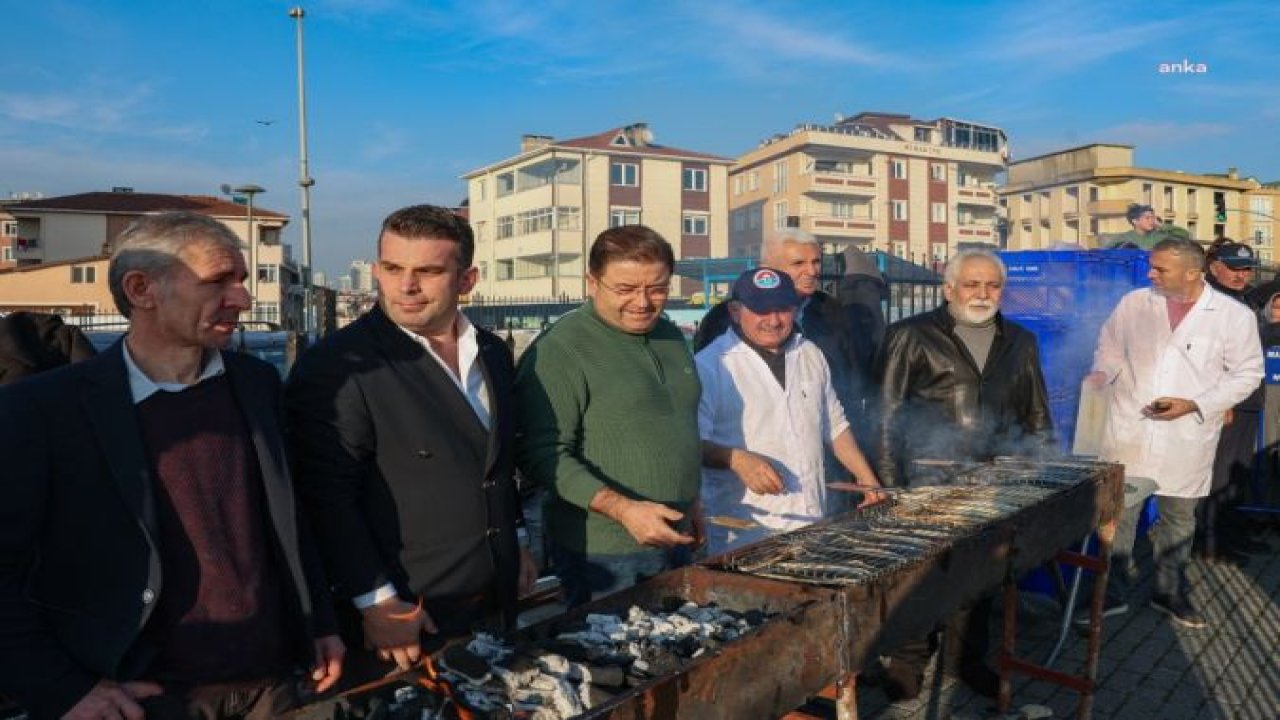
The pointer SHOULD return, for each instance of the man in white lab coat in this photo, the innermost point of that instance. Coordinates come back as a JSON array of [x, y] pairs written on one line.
[[767, 409], [1178, 356]]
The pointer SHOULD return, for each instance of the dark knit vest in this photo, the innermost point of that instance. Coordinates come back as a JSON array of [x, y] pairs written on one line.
[[221, 611]]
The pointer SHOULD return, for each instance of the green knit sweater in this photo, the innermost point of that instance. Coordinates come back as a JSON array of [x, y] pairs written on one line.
[[599, 407]]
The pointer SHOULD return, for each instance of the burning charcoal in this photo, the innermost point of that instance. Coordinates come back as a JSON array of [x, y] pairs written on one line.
[[570, 650], [489, 647], [463, 662], [552, 664], [686, 646], [565, 700]]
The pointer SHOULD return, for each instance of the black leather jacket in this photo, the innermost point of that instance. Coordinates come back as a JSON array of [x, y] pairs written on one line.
[[935, 403]]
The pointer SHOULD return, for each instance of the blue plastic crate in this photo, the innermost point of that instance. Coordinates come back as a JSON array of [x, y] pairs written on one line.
[[1064, 297]]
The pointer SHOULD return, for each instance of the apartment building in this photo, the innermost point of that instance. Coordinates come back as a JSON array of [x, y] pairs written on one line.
[[78, 230], [8, 239], [536, 214], [1079, 196], [880, 181], [1261, 223]]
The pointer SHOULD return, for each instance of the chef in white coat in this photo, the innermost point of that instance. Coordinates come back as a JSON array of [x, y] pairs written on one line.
[[1178, 356], [767, 410]]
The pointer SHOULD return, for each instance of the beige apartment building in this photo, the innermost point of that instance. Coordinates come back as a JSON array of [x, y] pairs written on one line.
[[1079, 196], [880, 181], [61, 244], [8, 239], [536, 214], [1261, 224]]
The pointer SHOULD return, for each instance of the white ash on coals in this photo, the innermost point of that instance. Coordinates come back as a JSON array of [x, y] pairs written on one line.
[[589, 662]]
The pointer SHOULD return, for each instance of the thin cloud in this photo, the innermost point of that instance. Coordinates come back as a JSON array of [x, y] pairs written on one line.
[[1060, 38], [749, 32], [1146, 134]]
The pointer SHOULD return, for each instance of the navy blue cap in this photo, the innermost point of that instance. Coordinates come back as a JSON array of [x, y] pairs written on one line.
[[1234, 255], [1136, 211], [764, 290]]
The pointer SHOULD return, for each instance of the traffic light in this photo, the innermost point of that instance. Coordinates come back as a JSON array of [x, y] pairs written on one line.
[[1220, 208]]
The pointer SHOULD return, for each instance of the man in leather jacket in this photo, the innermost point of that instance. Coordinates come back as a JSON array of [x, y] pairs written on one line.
[[959, 383]]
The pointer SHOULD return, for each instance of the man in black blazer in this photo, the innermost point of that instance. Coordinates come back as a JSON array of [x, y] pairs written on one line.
[[151, 558], [401, 428]]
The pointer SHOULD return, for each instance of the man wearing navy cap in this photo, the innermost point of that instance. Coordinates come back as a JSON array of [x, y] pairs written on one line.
[[768, 407], [1222, 534]]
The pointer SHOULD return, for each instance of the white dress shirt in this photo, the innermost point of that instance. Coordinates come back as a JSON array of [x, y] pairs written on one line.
[[743, 406], [142, 387]]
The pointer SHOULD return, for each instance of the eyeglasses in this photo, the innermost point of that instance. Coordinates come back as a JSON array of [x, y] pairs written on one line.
[[652, 292]]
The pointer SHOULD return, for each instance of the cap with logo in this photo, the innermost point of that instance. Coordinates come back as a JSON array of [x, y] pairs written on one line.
[[764, 290], [1234, 255]]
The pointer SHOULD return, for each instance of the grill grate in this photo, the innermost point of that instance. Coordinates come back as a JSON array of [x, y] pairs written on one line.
[[912, 526]]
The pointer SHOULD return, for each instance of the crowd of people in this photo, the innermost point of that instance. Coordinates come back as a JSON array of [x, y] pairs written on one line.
[[183, 537]]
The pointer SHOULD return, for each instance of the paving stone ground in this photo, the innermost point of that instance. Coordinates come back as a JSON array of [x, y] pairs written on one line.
[[1150, 668]]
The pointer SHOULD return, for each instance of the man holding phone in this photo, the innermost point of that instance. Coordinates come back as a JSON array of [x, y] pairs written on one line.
[[1179, 355]]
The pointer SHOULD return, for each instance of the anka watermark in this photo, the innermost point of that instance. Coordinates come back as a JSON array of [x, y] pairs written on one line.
[[1186, 67]]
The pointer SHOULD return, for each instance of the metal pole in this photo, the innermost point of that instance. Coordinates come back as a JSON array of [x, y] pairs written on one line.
[[253, 259], [305, 181]]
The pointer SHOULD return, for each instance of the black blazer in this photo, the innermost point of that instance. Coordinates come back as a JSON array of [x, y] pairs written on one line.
[[79, 571], [402, 482]]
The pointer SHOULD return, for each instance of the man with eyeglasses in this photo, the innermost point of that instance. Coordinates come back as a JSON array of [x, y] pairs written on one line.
[[608, 422]]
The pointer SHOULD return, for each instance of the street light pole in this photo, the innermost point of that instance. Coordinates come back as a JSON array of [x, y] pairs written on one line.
[[249, 191], [305, 181]]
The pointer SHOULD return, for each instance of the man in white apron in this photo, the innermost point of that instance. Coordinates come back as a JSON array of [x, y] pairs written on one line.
[[768, 408], [1178, 356]]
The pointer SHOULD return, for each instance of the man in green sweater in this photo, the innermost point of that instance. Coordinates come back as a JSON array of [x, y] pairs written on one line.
[[608, 406]]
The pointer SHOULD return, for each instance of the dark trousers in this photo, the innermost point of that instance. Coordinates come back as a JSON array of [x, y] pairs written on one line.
[[584, 577], [1233, 463], [234, 701], [966, 641]]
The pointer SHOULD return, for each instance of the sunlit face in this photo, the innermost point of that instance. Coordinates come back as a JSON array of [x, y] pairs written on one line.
[[975, 295], [1146, 222], [419, 281], [198, 302], [801, 261], [630, 295], [769, 329], [1170, 276], [1229, 277]]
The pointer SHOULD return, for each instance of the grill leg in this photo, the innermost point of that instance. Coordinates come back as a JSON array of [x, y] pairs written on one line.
[[1106, 536], [847, 697]]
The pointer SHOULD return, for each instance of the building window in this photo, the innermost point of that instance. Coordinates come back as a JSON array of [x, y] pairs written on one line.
[[506, 227], [754, 217], [624, 216], [483, 268], [627, 174], [1168, 198], [938, 172], [569, 218], [84, 274], [841, 208], [753, 181], [899, 208], [938, 212], [964, 178], [694, 224], [898, 169], [923, 134], [780, 215], [480, 189], [505, 269], [9, 228], [268, 273], [780, 176], [737, 185], [532, 221], [695, 179], [739, 220], [506, 184], [1261, 235], [900, 249], [6, 252], [267, 311], [1260, 206], [1146, 193]]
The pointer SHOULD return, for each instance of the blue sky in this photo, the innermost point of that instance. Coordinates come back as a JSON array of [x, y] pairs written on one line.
[[406, 95]]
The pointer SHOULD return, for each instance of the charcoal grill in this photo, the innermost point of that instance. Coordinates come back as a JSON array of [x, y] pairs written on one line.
[[849, 588]]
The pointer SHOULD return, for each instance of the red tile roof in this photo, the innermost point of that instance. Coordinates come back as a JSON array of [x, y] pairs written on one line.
[[136, 203], [604, 141]]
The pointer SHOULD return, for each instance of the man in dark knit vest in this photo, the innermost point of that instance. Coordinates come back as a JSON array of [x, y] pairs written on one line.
[[152, 561], [402, 427], [608, 407]]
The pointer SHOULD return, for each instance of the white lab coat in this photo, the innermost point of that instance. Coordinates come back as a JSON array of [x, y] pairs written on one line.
[[743, 406], [1213, 358]]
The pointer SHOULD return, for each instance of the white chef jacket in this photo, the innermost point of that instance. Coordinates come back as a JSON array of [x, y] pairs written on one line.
[[743, 406], [1213, 358]]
